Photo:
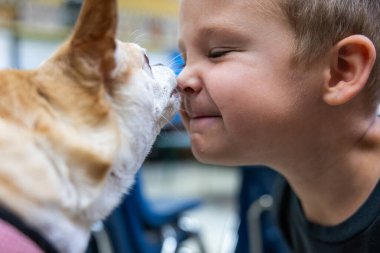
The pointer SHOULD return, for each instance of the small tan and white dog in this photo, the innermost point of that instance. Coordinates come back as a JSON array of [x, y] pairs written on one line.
[[74, 131]]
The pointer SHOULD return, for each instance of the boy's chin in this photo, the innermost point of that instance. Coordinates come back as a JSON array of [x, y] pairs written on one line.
[[215, 158]]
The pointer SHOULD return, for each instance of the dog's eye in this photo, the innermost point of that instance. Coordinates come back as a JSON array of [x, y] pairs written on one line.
[[146, 66]]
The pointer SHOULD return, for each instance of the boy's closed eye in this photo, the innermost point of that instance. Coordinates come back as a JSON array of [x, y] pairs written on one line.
[[219, 52], [214, 53]]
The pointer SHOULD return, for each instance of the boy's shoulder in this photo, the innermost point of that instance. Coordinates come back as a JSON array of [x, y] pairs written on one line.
[[359, 233]]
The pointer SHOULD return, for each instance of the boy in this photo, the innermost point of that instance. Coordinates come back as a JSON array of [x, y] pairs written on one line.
[[292, 84]]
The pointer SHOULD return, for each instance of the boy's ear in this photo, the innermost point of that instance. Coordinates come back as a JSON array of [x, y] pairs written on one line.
[[351, 64], [93, 42]]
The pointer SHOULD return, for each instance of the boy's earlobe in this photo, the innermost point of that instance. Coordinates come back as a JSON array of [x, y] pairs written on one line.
[[351, 64]]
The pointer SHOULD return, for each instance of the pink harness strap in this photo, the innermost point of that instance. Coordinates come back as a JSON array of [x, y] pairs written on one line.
[[13, 241]]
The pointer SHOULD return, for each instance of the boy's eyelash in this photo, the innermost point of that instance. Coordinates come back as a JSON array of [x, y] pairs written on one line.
[[218, 53], [211, 54]]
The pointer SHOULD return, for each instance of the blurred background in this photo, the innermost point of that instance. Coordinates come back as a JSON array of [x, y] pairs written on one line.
[[174, 193]]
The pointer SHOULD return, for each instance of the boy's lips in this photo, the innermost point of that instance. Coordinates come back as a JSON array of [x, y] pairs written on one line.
[[204, 115], [199, 122]]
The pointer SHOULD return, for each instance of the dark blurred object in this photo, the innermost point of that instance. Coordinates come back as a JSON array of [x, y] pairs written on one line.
[[257, 231]]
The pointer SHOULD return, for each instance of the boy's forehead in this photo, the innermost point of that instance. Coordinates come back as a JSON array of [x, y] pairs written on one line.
[[237, 15], [215, 16], [230, 20], [266, 8]]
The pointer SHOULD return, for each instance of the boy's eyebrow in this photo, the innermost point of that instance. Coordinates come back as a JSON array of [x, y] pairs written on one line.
[[225, 31]]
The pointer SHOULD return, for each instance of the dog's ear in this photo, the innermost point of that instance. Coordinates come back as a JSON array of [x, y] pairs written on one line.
[[93, 42]]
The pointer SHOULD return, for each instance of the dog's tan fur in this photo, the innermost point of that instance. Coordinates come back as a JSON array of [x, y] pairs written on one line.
[[74, 131]]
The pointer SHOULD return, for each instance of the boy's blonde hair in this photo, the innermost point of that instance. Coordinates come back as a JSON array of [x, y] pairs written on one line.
[[319, 24]]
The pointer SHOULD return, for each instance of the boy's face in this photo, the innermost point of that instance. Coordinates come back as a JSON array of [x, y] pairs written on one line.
[[242, 102]]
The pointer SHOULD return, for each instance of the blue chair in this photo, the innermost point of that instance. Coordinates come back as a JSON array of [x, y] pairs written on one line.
[[140, 225], [112, 235], [257, 231], [158, 221]]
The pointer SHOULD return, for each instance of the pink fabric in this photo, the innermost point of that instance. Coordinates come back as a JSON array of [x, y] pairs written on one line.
[[13, 241]]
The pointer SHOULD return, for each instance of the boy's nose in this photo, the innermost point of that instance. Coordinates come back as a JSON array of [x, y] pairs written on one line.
[[188, 83]]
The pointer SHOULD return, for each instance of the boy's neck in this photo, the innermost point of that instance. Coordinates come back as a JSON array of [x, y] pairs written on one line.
[[333, 189]]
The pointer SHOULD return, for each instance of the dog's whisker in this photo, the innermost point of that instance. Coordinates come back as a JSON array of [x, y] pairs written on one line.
[[173, 60], [183, 110], [138, 37], [183, 94], [170, 123], [133, 34]]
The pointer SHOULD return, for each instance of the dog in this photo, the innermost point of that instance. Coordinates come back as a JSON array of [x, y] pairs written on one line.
[[74, 131]]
